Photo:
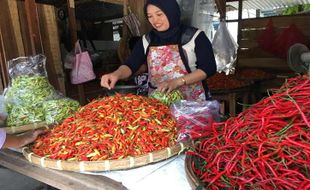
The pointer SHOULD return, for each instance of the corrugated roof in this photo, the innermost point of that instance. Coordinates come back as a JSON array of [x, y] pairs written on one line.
[[268, 4]]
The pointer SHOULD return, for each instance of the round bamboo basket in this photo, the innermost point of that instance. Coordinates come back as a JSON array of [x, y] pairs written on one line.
[[104, 165], [190, 175], [24, 128]]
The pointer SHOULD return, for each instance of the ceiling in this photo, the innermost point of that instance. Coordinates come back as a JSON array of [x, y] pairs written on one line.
[[268, 4], [94, 10]]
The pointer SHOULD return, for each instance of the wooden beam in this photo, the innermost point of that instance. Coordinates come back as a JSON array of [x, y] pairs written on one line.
[[50, 42], [34, 29], [56, 178], [10, 49], [118, 2]]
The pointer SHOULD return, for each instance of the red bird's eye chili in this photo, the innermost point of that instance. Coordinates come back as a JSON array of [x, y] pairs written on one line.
[[113, 127]]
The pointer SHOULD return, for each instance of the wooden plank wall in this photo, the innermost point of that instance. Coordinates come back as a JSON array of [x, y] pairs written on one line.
[[251, 56], [16, 38]]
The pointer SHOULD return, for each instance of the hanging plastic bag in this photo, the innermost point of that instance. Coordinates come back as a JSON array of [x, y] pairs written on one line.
[[266, 38], [286, 39], [225, 49], [82, 70], [203, 13], [69, 60], [194, 118]]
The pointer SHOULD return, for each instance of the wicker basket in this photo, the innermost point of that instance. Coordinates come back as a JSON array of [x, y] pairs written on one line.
[[24, 128], [190, 175], [105, 165]]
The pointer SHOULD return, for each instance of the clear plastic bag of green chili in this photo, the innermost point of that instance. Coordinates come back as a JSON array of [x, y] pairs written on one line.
[[28, 89], [25, 114], [58, 110]]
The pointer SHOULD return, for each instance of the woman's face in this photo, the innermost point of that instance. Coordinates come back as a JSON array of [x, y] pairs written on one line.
[[157, 18]]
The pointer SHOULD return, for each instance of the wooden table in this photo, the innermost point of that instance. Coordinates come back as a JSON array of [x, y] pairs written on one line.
[[58, 179], [230, 96]]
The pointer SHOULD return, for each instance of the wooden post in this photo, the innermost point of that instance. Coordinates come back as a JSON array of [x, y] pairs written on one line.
[[3, 67], [74, 38], [34, 29], [137, 8], [240, 7]]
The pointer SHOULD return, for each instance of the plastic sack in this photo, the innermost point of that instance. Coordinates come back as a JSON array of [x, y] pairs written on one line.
[[225, 49], [82, 70], [266, 38], [25, 114], [58, 110], [69, 60], [3, 112], [28, 89], [194, 118], [198, 13], [27, 66], [286, 39]]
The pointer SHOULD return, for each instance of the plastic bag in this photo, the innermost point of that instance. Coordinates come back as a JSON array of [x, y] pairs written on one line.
[[69, 60], [225, 49], [25, 114], [28, 89], [286, 39], [167, 98], [3, 112], [198, 13], [266, 37], [194, 118], [59, 109], [82, 70], [27, 66]]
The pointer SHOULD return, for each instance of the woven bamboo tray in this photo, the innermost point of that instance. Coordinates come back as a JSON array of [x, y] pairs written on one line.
[[190, 175], [105, 165], [24, 128]]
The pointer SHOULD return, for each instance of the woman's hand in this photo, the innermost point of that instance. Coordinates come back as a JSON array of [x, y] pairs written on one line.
[[170, 85], [17, 141], [29, 137], [109, 80]]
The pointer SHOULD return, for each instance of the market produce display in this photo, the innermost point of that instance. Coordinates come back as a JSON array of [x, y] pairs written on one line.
[[253, 74], [265, 147], [113, 127], [194, 118], [25, 97], [221, 81], [167, 98], [57, 110], [32, 99]]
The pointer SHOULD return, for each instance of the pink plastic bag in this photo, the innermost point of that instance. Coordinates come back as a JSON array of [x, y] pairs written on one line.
[[82, 70]]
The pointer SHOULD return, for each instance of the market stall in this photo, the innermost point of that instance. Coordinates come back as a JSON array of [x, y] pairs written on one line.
[[127, 141], [14, 160]]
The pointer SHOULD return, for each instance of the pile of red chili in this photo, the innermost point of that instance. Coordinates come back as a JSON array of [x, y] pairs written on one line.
[[113, 127], [221, 81], [252, 74], [265, 147]]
